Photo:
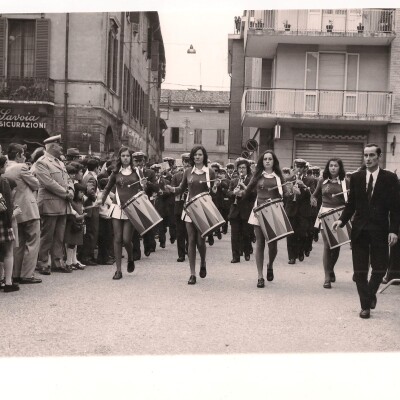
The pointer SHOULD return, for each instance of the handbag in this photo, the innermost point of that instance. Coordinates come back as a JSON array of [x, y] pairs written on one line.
[[76, 225]]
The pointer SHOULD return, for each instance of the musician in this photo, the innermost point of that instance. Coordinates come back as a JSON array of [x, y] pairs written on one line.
[[332, 183], [298, 209], [149, 242], [230, 171], [312, 212], [225, 201], [267, 183], [126, 181], [216, 199], [181, 233], [239, 212], [161, 205], [197, 180], [374, 201]]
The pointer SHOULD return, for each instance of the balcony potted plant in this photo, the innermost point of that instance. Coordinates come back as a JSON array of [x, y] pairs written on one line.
[[286, 25], [329, 27], [360, 28]]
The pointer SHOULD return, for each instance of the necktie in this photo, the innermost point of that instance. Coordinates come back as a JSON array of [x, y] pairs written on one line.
[[369, 188]]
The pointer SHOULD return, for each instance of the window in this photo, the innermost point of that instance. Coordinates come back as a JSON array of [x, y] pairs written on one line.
[[112, 62], [220, 137], [197, 136], [125, 103], [21, 48], [176, 136], [221, 111], [175, 109]]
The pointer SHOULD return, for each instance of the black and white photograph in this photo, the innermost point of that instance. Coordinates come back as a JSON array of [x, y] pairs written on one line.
[[200, 201]]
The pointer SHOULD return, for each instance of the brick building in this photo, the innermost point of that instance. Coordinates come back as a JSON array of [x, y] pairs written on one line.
[[93, 77], [196, 117], [316, 83]]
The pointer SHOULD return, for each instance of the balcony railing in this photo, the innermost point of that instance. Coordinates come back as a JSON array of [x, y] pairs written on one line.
[[318, 103], [345, 21], [26, 89]]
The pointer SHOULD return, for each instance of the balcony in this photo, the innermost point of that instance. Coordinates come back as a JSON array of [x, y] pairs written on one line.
[[265, 29], [262, 107], [27, 89]]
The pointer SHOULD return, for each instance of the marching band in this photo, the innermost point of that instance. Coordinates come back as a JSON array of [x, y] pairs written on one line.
[[194, 201]]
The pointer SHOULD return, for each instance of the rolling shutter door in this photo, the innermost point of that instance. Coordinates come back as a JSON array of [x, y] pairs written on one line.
[[2, 46], [319, 152]]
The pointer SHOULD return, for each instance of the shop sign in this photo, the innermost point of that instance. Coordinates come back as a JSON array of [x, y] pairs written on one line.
[[10, 120]]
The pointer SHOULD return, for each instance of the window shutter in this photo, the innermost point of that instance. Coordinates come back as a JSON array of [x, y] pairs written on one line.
[[42, 46], [145, 110], [154, 55], [2, 46]]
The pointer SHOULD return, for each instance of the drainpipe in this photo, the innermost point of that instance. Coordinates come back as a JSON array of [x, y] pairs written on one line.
[[65, 133]]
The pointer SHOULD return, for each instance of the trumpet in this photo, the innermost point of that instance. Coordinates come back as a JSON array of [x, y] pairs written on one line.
[[240, 181]]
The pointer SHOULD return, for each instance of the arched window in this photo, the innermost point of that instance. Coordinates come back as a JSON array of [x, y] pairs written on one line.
[[112, 62]]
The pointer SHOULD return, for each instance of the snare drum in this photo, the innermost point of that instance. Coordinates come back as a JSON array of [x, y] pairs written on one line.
[[204, 214], [141, 213], [342, 235], [273, 220]]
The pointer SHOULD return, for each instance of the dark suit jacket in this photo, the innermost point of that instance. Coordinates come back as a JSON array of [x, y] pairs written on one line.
[[245, 205], [179, 199], [382, 215]]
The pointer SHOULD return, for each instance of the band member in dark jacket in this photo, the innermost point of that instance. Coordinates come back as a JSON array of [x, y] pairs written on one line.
[[374, 201], [181, 233], [239, 212], [298, 209]]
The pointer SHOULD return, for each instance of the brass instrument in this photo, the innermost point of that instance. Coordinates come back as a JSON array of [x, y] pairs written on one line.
[[238, 186]]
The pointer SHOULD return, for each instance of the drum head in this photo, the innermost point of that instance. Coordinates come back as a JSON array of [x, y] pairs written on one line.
[[330, 212], [267, 204], [133, 198], [193, 199]]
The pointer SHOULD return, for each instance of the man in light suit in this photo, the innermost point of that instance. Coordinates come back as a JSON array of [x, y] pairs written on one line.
[[54, 204], [374, 201], [25, 255]]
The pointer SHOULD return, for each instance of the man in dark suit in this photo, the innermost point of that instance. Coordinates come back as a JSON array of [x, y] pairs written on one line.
[[374, 201], [239, 212]]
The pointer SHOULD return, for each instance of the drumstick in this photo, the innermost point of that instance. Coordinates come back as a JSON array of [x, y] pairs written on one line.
[[134, 183], [338, 194], [276, 187], [92, 206], [212, 180]]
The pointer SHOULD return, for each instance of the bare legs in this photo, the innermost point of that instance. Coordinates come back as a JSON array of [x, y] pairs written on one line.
[[329, 258], [260, 247], [8, 262], [123, 231], [195, 239]]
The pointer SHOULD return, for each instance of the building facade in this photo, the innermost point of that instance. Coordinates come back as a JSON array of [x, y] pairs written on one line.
[[314, 84], [196, 117], [93, 77]]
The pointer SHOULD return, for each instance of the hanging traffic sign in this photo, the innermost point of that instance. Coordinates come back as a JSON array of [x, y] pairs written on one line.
[[251, 145], [245, 154]]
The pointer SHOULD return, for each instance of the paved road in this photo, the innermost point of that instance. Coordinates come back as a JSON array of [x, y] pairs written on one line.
[[154, 312]]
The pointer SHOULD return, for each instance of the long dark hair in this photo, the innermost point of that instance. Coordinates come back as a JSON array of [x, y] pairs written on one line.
[[118, 164], [194, 150], [260, 169], [342, 173]]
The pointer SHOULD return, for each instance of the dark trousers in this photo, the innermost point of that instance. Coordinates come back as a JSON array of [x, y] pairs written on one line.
[[105, 241], [297, 242], [394, 262], [137, 253], [366, 249], [310, 234], [240, 237], [225, 213], [170, 219], [149, 242], [181, 236], [161, 229], [91, 235]]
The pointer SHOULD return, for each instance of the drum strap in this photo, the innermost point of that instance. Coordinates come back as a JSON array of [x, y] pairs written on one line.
[[117, 198], [344, 189]]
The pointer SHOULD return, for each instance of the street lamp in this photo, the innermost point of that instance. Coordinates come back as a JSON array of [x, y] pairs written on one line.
[[191, 50]]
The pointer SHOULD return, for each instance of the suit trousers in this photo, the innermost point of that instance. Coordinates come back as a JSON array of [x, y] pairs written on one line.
[[91, 236], [366, 249], [105, 240], [240, 237], [137, 253], [394, 262], [26, 254], [51, 239], [297, 242]]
